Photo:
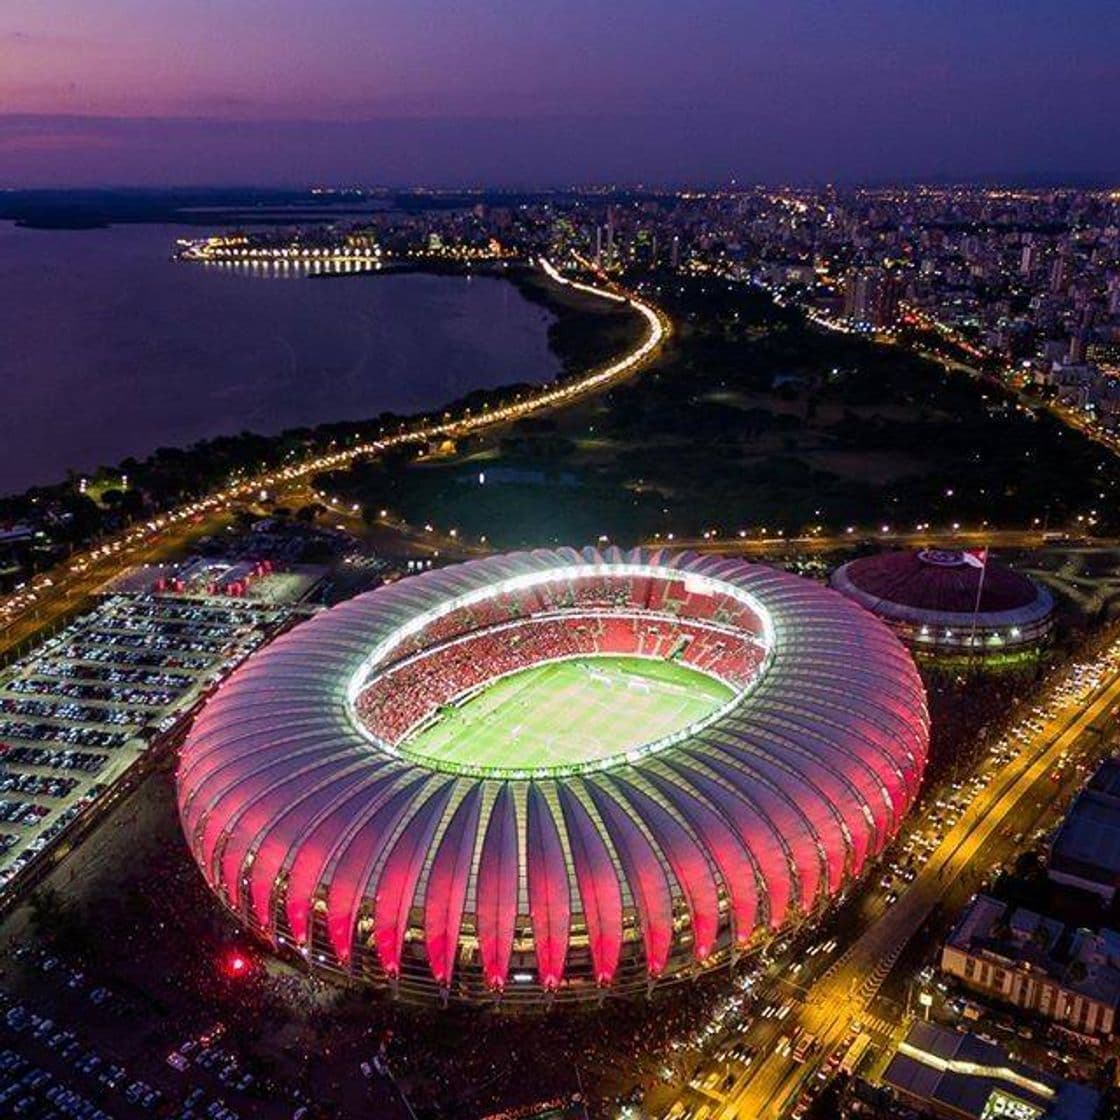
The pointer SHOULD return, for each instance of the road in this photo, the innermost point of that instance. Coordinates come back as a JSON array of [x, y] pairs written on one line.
[[52, 595], [928, 538], [71, 584], [840, 997], [1010, 379]]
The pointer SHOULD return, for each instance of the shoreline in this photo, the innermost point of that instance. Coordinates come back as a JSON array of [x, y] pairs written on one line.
[[518, 274], [202, 487]]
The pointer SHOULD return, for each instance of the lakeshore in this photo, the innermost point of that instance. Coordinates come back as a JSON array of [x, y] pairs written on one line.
[[114, 350]]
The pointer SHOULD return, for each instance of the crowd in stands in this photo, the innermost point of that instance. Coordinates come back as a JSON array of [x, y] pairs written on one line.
[[409, 694], [615, 593]]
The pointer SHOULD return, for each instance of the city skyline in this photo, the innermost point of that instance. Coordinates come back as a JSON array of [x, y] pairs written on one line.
[[180, 94], [560, 561]]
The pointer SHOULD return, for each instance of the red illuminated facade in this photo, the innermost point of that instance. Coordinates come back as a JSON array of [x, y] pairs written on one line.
[[318, 831]]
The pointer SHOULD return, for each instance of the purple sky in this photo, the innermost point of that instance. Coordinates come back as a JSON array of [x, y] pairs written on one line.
[[555, 91]]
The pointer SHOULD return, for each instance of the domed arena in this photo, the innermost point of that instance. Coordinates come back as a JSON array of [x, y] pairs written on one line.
[[553, 776], [944, 603]]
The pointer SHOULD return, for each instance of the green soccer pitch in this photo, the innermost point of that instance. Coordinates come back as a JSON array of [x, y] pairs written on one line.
[[567, 713]]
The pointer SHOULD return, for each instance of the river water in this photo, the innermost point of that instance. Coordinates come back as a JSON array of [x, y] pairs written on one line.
[[108, 348]]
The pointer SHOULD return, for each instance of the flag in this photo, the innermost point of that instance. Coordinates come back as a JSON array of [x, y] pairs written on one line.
[[977, 557]]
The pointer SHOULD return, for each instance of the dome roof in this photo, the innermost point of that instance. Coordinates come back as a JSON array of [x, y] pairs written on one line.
[[940, 586], [322, 836]]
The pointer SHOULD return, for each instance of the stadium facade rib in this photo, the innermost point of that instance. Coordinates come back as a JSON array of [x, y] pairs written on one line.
[[563, 875]]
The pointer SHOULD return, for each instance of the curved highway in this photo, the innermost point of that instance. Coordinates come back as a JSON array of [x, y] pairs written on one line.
[[54, 594]]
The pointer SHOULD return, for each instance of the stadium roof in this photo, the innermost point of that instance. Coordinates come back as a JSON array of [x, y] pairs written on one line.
[[302, 821], [940, 587]]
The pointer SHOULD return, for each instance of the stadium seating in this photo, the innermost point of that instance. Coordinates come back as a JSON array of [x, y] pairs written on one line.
[[640, 593], [575, 625]]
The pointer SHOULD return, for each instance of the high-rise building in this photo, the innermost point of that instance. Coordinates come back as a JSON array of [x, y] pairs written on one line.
[[884, 311], [1059, 273], [857, 295], [871, 298]]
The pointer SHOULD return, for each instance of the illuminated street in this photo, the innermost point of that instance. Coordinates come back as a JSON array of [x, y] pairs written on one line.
[[559, 562], [833, 1004], [51, 596]]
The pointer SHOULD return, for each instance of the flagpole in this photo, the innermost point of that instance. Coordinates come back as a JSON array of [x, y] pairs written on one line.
[[976, 605]]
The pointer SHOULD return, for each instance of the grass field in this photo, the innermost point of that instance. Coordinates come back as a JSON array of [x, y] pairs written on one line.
[[568, 712]]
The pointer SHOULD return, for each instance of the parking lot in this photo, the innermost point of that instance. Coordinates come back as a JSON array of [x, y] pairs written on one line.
[[122, 951], [62, 1055], [81, 709]]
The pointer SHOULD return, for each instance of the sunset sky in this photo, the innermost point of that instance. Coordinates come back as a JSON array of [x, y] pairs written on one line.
[[555, 91]]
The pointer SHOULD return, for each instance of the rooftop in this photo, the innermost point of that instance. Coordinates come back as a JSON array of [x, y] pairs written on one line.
[[1088, 841], [975, 1078], [1082, 960], [941, 583]]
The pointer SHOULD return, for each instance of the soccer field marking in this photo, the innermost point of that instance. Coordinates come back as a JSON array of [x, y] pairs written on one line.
[[569, 712]]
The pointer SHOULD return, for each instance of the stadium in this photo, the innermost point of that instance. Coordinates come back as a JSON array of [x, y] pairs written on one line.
[[553, 776], [943, 607]]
